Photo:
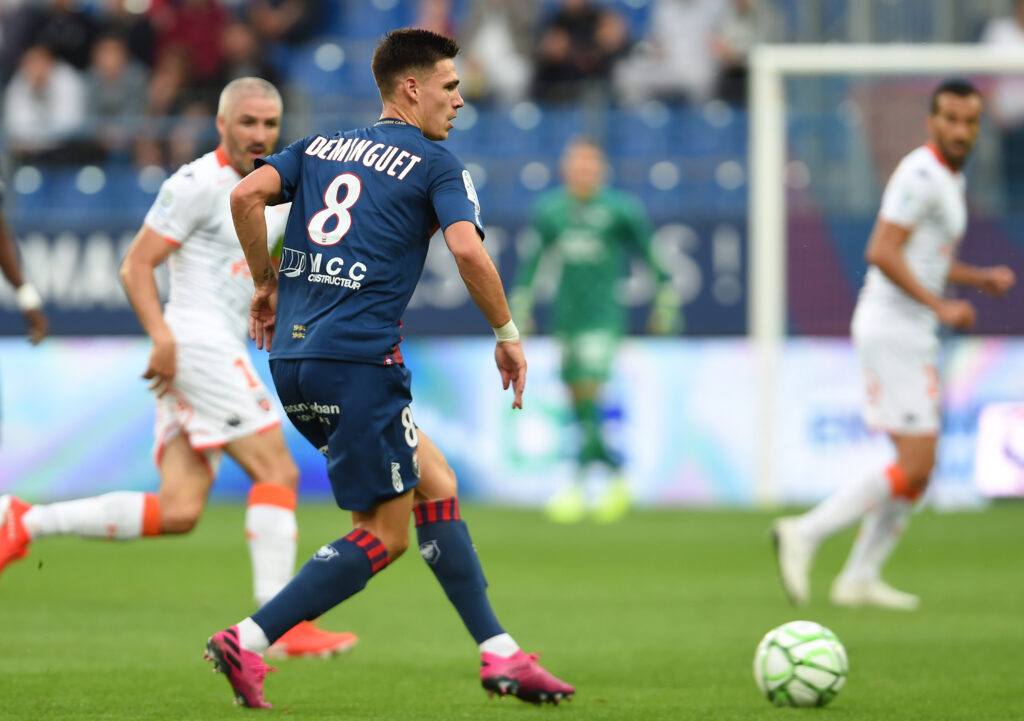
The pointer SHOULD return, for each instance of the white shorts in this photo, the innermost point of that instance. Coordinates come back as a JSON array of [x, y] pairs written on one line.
[[216, 397], [901, 380]]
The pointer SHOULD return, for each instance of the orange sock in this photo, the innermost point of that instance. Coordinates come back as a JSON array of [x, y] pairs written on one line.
[[150, 515], [900, 484], [273, 494]]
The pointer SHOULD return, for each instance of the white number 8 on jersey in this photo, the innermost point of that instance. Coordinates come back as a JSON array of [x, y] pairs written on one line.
[[336, 208]]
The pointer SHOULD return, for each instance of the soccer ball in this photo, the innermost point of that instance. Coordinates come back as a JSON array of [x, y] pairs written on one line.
[[800, 663]]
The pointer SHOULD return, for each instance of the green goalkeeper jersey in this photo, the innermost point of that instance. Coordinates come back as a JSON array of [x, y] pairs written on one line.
[[591, 240]]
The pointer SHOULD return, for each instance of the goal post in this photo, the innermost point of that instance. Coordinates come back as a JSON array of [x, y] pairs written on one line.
[[770, 66]]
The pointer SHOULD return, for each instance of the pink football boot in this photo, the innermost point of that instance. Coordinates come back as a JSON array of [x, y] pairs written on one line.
[[245, 670], [521, 675]]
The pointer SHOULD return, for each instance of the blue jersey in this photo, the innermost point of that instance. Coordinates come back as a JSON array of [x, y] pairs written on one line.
[[364, 206]]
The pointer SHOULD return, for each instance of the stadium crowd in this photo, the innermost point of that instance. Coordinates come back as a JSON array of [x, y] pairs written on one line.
[[136, 81]]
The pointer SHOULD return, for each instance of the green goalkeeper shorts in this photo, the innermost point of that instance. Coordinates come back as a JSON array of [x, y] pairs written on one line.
[[588, 355]]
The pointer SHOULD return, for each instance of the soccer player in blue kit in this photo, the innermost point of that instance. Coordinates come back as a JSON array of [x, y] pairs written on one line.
[[364, 206]]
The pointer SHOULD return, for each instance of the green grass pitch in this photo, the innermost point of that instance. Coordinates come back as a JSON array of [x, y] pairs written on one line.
[[653, 618]]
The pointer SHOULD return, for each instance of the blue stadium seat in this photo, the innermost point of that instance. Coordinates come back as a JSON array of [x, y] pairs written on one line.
[[501, 136], [693, 135], [557, 127], [279, 56], [309, 76], [352, 79], [734, 135], [358, 80], [629, 136], [59, 190], [332, 18], [636, 15], [498, 133], [31, 204], [364, 19], [495, 142], [465, 142], [126, 192]]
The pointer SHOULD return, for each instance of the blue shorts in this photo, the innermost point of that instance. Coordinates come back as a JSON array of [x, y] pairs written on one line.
[[358, 415]]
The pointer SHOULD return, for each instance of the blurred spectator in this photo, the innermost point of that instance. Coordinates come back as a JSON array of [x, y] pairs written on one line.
[[168, 92], [172, 112], [578, 47], [744, 24], [289, 22], [675, 63], [64, 28], [44, 109], [135, 28], [243, 55], [192, 134], [1007, 104], [194, 27], [13, 20], [497, 50], [116, 91], [435, 16]]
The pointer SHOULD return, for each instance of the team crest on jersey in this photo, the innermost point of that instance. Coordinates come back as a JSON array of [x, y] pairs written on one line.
[[430, 551], [293, 262], [396, 477], [325, 553]]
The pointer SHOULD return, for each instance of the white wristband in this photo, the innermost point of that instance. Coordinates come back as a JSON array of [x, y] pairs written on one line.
[[28, 298], [507, 333]]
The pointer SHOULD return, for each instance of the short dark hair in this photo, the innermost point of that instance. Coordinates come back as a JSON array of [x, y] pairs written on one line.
[[408, 49], [954, 86]]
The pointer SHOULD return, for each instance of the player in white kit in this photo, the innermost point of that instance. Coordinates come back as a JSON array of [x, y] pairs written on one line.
[[912, 252], [209, 397]]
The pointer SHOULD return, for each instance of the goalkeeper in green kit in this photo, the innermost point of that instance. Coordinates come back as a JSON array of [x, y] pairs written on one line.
[[590, 230]]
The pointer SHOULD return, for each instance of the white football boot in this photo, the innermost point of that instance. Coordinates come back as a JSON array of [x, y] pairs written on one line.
[[855, 593], [794, 554]]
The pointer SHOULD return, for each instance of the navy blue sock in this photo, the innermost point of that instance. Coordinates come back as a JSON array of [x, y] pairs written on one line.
[[447, 548], [335, 572]]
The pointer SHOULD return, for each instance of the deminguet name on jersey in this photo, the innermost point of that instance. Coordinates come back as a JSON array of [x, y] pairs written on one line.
[[389, 159]]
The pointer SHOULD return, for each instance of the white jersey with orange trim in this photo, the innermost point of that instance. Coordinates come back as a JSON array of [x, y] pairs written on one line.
[[211, 287], [896, 336], [926, 196], [216, 395]]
